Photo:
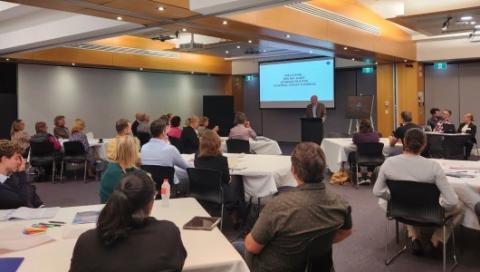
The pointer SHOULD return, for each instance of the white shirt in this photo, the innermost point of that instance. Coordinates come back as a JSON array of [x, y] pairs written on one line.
[[465, 128], [3, 178], [314, 110]]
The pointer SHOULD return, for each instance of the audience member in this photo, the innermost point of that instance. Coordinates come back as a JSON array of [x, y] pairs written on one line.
[[43, 136], [242, 129], [126, 159], [79, 136], [20, 137], [15, 191], [365, 135], [406, 125], [144, 125], [189, 136], [123, 128], [203, 125], [127, 238], [435, 118], [279, 237], [444, 125], [468, 127], [60, 131], [138, 117], [175, 130], [158, 151], [411, 166]]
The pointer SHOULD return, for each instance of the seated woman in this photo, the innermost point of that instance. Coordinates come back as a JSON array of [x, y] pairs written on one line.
[[42, 136], [365, 135], [126, 237], [190, 136], [175, 131], [20, 137], [242, 129], [468, 127], [203, 125], [79, 136], [127, 156]]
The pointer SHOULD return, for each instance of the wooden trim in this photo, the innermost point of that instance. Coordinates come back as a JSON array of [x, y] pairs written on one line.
[[385, 95]]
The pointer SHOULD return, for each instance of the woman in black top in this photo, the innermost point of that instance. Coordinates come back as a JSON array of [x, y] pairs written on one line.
[[189, 136], [468, 127], [126, 237]]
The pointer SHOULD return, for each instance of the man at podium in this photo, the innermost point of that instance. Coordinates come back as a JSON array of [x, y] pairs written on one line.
[[315, 109]]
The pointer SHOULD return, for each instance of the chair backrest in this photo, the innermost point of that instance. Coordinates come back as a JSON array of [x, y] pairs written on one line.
[[238, 146], [144, 137], [159, 173], [454, 147], [176, 143], [414, 202], [73, 148], [206, 185], [374, 150], [319, 250], [41, 149]]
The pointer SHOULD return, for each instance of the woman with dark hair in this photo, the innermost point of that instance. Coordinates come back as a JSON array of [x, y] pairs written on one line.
[[410, 166], [365, 135], [126, 237], [175, 130]]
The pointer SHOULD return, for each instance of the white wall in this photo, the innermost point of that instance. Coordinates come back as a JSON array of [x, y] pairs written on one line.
[[101, 96], [432, 50]]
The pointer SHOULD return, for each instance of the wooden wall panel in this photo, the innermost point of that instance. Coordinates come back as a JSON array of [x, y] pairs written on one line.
[[409, 85], [385, 95]]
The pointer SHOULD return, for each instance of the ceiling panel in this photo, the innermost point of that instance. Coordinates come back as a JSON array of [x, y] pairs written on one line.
[[108, 15], [151, 8]]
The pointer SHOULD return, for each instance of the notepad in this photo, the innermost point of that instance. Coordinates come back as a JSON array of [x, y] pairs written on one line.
[[10, 264], [24, 213], [12, 238], [86, 217]]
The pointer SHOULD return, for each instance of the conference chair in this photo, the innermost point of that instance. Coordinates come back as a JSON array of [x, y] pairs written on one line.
[[42, 154], [74, 153], [238, 146], [143, 137], [176, 143], [206, 186], [159, 173], [416, 204], [319, 251], [368, 155]]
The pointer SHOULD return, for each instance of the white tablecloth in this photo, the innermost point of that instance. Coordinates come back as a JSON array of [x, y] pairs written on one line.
[[100, 148], [472, 168], [262, 174], [206, 250], [337, 149], [261, 145]]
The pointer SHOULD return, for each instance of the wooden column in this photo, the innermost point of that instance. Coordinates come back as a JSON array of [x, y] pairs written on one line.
[[410, 86], [384, 99]]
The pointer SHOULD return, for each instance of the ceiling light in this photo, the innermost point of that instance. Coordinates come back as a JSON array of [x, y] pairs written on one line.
[[264, 50], [287, 36], [161, 8], [376, 62], [310, 52], [224, 22], [249, 41], [7, 59], [192, 72], [119, 18], [73, 63], [472, 22], [141, 69], [227, 52], [353, 59], [477, 26], [345, 48], [466, 18], [405, 60], [238, 46], [184, 29]]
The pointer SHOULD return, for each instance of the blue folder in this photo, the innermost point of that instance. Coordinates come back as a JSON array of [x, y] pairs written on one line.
[[10, 264]]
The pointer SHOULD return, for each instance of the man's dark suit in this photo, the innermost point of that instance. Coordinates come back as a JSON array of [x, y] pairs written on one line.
[[16, 192], [321, 111]]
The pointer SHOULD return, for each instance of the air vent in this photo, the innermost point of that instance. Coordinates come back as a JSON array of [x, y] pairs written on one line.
[[324, 14], [124, 50]]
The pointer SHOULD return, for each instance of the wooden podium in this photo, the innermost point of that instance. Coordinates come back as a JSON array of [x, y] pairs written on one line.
[[312, 130]]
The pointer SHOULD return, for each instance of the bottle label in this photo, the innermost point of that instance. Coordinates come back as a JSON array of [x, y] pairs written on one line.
[[163, 191]]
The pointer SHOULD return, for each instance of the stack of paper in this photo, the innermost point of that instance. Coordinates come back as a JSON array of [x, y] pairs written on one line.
[[24, 213]]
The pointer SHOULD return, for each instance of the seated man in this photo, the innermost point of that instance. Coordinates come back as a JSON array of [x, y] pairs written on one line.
[[406, 125], [123, 128], [410, 166], [279, 238], [158, 151], [15, 191], [60, 131], [436, 117], [444, 125]]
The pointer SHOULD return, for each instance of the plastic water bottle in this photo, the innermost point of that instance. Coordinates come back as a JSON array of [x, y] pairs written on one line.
[[165, 193]]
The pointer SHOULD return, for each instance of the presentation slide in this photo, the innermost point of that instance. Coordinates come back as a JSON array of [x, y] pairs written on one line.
[[290, 84]]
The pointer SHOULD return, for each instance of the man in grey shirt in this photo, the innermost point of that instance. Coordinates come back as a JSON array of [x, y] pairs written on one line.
[[413, 167]]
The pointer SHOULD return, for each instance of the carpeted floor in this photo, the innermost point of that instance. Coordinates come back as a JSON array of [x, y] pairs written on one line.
[[363, 251]]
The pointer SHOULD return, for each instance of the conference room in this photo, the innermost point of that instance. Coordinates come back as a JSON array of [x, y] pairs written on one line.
[[239, 135]]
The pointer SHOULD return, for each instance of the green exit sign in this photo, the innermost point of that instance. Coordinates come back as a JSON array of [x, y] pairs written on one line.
[[440, 66], [249, 78], [367, 70]]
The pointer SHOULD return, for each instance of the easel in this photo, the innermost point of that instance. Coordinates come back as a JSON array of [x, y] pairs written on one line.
[[357, 121]]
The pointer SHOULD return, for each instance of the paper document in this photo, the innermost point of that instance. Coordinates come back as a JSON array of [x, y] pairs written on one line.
[[12, 238], [86, 217], [24, 213]]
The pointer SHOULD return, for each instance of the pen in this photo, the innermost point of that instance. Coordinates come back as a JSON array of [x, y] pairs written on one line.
[[57, 222]]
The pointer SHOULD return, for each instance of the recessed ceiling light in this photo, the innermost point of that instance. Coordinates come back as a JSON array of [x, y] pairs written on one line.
[[353, 59], [472, 22], [192, 72], [477, 26], [466, 18], [238, 46], [249, 41], [287, 36], [227, 52], [264, 50], [184, 29], [225, 22], [161, 8], [141, 69], [345, 48], [310, 52], [376, 62], [405, 60], [73, 64], [7, 59], [119, 18]]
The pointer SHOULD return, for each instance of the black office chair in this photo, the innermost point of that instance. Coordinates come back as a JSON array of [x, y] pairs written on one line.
[[416, 204], [454, 147], [144, 137], [368, 155], [176, 143], [206, 186], [42, 154], [319, 251], [74, 152], [159, 173], [238, 146]]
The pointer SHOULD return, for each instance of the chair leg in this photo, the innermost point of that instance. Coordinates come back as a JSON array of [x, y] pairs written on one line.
[[356, 176], [85, 172], [454, 251], [221, 217], [53, 172], [61, 170], [444, 249], [397, 238], [389, 260]]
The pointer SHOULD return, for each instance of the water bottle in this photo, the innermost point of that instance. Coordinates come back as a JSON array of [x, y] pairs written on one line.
[[165, 192]]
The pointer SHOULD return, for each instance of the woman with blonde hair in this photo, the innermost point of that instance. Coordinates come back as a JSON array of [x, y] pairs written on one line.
[[127, 157], [467, 126], [189, 138], [19, 136], [203, 125], [79, 135]]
